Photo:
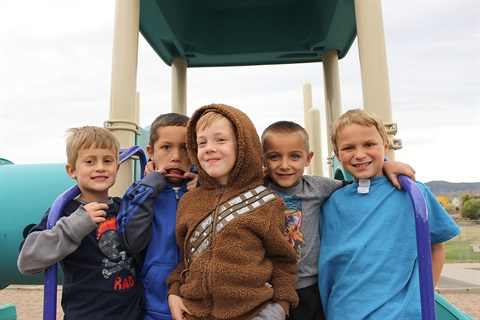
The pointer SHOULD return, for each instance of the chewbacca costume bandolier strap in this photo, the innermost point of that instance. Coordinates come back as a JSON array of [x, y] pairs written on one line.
[[228, 211]]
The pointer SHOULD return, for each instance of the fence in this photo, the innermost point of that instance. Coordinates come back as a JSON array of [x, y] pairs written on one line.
[[466, 246]]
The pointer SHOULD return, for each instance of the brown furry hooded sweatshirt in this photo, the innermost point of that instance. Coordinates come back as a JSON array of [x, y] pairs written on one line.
[[245, 264]]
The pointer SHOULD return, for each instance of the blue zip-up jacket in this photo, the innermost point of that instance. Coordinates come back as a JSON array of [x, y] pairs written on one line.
[[147, 226]]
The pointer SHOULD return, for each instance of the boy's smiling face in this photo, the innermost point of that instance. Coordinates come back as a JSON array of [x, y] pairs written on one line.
[[169, 153], [361, 150], [95, 171], [286, 157], [217, 150]]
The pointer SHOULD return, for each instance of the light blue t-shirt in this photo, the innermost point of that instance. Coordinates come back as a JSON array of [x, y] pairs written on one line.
[[368, 258]]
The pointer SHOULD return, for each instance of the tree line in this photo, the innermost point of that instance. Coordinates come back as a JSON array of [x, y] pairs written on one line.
[[469, 208]]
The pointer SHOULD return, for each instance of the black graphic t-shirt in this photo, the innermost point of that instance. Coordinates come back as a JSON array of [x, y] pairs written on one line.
[[101, 281]]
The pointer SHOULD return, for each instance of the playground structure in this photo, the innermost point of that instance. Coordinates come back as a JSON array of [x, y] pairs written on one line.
[[198, 33]]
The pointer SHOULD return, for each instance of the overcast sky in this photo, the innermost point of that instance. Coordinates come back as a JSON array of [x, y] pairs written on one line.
[[56, 61]]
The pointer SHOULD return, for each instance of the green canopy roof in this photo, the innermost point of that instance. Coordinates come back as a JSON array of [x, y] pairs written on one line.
[[247, 32]]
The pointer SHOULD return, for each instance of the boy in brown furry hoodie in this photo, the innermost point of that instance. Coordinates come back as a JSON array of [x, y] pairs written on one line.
[[235, 262]]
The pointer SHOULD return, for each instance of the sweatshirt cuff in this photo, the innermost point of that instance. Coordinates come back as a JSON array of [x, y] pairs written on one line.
[[79, 224], [175, 289], [155, 180]]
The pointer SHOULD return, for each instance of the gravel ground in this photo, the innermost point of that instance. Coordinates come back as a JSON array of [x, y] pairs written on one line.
[[29, 302]]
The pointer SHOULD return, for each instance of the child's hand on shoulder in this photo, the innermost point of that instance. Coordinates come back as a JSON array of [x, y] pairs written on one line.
[[192, 184], [393, 169], [96, 211]]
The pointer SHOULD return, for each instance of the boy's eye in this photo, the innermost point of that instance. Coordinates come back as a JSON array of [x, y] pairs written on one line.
[[369, 144], [166, 147], [108, 160], [201, 143], [295, 156], [89, 161], [274, 157], [347, 149]]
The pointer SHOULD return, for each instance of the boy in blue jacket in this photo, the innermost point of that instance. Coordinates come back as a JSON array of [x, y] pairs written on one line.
[[148, 212]]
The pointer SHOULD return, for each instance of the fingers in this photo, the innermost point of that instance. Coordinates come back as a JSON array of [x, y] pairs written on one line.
[[149, 167], [190, 175], [411, 175], [96, 211], [162, 171], [192, 184]]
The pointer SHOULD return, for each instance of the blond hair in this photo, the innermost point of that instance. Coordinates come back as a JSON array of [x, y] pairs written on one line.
[[89, 137], [208, 118], [361, 117], [285, 127]]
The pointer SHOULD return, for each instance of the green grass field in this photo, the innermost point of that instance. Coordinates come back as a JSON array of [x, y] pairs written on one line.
[[459, 245]]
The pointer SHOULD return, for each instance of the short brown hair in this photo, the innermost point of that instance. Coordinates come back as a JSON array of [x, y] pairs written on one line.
[[166, 120], [87, 137], [285, 127], [361, 117]]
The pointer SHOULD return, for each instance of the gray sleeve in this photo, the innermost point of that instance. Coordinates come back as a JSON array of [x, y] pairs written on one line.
[[136, 214], [44, 248]]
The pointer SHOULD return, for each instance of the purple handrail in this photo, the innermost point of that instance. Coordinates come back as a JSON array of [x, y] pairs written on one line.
[[50, 281], [427, 295]]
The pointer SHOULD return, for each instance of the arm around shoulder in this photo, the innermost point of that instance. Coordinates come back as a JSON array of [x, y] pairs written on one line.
[[42, 249]]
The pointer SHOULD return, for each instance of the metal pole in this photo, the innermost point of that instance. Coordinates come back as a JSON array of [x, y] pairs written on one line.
[[333, 101], [179, 86], [373, 61], [307, 105], [123, 114]]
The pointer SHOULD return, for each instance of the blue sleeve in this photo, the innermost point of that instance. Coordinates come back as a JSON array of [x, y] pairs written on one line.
[[442, 226], [136, 212]]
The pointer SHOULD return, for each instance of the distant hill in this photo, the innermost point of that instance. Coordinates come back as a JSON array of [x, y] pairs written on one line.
[[452, 189]]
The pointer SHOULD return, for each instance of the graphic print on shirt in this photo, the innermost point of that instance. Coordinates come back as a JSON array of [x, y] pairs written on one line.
[[293, 223], [116, 258]]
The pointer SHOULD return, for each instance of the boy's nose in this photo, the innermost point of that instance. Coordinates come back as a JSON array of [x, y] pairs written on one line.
[[100, 167], [360, 154], [284, 164], [177, 155], [210, 147]]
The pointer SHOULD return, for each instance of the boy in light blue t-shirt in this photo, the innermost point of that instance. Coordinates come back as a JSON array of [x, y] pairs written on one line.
[[368, 257]]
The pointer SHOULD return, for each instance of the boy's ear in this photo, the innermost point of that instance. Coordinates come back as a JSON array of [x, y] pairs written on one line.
[[335, 151], [386, 146], [149, 151], [309, 158], [70, 171]]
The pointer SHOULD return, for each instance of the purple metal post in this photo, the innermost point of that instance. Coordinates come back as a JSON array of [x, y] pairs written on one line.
[[427, 295]]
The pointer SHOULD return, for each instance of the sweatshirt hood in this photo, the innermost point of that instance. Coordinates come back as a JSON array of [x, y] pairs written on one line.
[[247, 172]]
